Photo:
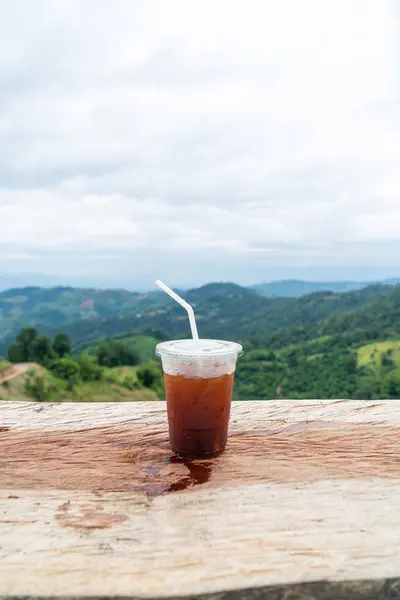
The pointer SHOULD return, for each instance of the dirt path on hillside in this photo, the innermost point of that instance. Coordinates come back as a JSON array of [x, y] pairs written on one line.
[[14, 371]]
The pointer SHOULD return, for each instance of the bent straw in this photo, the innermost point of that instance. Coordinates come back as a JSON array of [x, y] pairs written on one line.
[[182, 302]]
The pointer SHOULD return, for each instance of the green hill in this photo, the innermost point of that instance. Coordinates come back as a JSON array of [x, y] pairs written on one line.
[[221, 305], [111, 389], [350, 355], [322, 345], [143, 344], [222, 310], [371, 355], [54, 307]]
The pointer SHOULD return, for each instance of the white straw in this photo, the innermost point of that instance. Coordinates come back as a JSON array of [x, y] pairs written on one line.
[[185, 305]]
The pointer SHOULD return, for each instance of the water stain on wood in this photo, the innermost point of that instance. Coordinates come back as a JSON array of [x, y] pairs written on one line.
[[86, 518], [138, 458], [199, 472]]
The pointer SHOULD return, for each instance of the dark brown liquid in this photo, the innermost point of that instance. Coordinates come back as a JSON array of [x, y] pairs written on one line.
[[198, 414]]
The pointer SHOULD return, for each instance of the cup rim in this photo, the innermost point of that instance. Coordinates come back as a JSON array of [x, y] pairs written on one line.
[[199, 349]]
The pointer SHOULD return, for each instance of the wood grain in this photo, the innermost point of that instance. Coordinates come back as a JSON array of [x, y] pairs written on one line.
[[304, 503]]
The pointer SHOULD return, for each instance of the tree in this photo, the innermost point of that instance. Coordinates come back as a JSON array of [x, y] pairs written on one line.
[[391, 386], [42, 351], [39, 388], [350, 363], [89, 368], [62, 344], [146, 376], [292, 360], [386, 361], [15, 353], [259, 354], [150, 374], [72, 382], [25, 340], [65, 368], [116, 354]]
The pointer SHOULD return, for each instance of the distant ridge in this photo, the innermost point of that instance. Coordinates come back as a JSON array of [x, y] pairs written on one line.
[[294, 288]]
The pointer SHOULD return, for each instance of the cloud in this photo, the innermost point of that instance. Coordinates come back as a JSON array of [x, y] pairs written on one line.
[[206, 133]]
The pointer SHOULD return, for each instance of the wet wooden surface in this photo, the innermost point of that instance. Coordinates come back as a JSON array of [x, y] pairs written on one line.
[[304, 503]]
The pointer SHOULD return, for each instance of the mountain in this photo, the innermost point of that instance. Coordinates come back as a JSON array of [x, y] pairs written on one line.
[[215, 305], [293, 288], [223, 310], [321, 345], [54, 307], [355, 354], [377, 318]]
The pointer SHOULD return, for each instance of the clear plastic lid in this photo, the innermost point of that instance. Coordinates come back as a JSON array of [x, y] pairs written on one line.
[[198, 348]]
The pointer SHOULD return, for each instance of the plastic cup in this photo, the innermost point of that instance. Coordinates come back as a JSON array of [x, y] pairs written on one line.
[[198, 377]]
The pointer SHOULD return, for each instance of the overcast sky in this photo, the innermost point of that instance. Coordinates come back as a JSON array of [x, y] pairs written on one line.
[[198, 140]]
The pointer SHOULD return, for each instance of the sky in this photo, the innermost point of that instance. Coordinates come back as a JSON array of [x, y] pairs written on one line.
[[199, 140]]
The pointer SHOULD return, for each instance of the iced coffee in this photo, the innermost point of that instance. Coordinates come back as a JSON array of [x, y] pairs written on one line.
[[198, 376]]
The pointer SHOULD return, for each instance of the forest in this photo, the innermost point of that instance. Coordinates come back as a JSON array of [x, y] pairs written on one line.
[[321, 345]]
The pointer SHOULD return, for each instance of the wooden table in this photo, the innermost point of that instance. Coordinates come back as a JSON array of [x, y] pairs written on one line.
[[304, 503]]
